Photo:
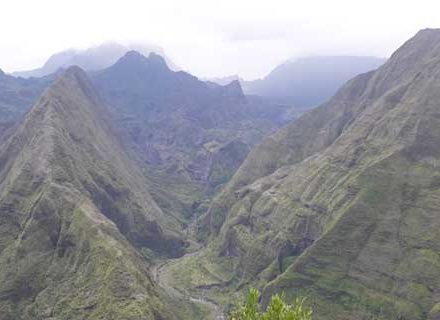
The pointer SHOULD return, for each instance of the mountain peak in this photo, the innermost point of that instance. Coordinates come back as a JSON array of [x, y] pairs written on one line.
[[133, 60], [234, 89], [157, 59], [132, 57], [65, 158], [425, 43], [407, 61], [71, 85], [429, 31], [80, 77], [74, 71], [133, 54]]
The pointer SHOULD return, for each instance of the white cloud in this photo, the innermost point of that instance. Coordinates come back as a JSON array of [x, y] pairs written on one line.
[[212, 38]]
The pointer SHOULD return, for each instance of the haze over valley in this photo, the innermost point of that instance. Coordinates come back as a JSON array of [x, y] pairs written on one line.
[[239, 161]]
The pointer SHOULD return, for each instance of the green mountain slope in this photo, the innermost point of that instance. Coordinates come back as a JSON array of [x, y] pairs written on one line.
[[342, 204], [73, 208], [192, 135], [177, 121], [17, 95]]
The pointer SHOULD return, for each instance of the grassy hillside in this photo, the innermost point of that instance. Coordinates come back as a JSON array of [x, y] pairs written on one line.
[[76, 216], [341, 205]]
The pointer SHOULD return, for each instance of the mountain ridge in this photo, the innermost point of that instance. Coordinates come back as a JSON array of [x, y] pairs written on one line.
[[76, 215], [91, 59], [152, 101], [310, 81], [340, 205]]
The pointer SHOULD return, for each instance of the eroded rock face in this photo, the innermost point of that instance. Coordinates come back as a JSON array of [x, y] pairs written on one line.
[[175, 121], [179, 126], [74, 211], [347, 197]]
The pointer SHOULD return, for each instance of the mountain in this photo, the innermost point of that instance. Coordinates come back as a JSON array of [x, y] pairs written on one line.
[[191, 134], [75, 215], [17, 96], [90, 59], [224, 80], [179, 123], [340, 205], [310, 81]]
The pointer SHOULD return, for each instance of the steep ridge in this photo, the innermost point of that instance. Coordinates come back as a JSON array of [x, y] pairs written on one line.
[[182, 127], [73, 207], [176, 119], [316, 130], [342, 204], [173, 117]]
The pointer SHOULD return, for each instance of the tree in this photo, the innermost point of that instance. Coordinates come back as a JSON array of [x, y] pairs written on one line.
[[277, 309]]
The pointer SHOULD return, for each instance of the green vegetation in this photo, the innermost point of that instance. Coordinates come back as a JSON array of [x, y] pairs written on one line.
[[277, 309], [340, 205], [76, 216], [17, 95], [182, 126]]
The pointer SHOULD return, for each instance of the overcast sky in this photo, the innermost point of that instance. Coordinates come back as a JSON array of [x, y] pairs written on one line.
[[212, 38]]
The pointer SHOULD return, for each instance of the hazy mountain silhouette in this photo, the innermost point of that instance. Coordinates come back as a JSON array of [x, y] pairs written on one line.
[[310, 81], [90, 59]]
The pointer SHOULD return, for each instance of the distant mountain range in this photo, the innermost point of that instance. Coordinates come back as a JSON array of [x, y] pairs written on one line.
[[224, 80], [310, 81], [90, 59], [17, 95], [134, 191]]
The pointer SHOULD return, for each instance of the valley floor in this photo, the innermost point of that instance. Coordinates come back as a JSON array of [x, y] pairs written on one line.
[[161, 277]]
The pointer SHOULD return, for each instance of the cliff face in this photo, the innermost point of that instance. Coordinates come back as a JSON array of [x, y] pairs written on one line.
[[177, 122], [342, 204], [73, 209], [182, 127]]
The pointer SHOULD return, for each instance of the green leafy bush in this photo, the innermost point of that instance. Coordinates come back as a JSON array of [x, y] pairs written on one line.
[[277, 309]]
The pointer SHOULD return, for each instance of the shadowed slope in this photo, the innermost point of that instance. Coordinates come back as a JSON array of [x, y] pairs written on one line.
[[342, 204], [72, 206], [17, 95], [181, 127]]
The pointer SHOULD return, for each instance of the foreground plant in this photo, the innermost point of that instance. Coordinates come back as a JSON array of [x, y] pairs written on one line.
[[277, 309]]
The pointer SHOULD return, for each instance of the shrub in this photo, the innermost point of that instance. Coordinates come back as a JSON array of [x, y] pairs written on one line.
[[277, 309]]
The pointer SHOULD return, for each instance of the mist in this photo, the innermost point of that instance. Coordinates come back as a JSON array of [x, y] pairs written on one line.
[[211, 38]]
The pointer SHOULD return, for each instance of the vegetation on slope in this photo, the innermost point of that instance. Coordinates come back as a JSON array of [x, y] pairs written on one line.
[[340, 205], [17, 96], [74, 213], [277, 309], [193, 131]]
